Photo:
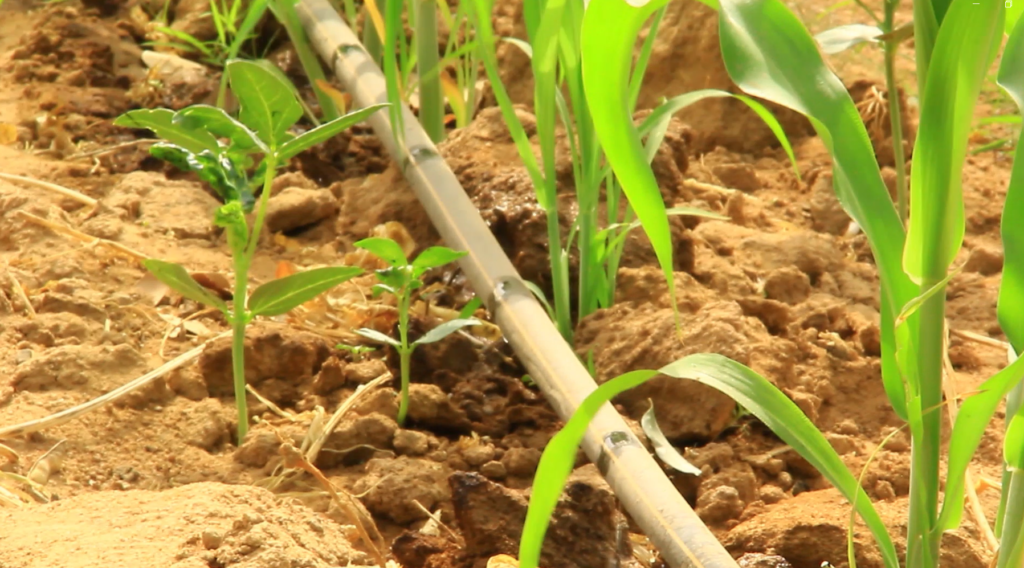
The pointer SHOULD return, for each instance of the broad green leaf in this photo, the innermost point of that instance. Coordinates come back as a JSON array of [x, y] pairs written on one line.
[[662, 447], [841, 38], [434, 257], [1013, 12], [219, 123], [266, 101], [752, 391], [386, 249], [284, 294], [445, 329], [161, 122], [972, 419], [770, 54], [178, 279], [1010, 309], [963, 52], [223, 175], [374, 335], [325, 132], [610, 29]]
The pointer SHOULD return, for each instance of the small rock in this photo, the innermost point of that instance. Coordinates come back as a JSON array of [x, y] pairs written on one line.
[[493, 470], [258, 449], [61, 303], [884, 490], [985, 260], [770, 494], [521, 462], [827, 214], [411, 443], [362, 372], [491, 517], [187, 382], [296, 207], [430, 406], [22, 356], [204, 427], [721, 504], [788, 285], [478, 454], [758, 560], [738, 176], [391, 485], [212, 539]]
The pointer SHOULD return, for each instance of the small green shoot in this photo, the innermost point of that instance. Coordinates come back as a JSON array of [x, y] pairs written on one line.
[[401, 279], [358, 351], [234, 155]]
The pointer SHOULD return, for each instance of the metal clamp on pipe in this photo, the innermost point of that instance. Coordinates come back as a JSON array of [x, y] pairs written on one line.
[[637, 479]]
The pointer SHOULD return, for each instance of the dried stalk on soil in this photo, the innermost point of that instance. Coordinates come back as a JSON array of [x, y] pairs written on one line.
[[70, 193], [294, 459], [78, 235], [319, 438], [65, 416]]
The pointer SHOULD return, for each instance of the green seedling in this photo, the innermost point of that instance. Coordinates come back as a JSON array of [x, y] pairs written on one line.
[[770, 54], [358, 351], [401, 279], [234, 156], [558, 41]]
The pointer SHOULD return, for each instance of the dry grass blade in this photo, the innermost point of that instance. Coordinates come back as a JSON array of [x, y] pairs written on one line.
[[74, 412], [949, 390], [294, 459], [78, 235], [318, 442], [48, 464], [273, 407], [20, 292], [70, 193]]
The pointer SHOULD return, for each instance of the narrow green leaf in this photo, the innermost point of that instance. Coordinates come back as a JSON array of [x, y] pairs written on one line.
[[750, 390], [972, 419], [662, 447], [963, 52], [771, 55], [445, 329], [1013, 443], [177, 278], [610, 29], [470, 308], [266, 101], [325, 131], [1010, 308], [284, 294], [841, 38], [374, 335], [386, 249], [434, 257], [161, 122], [668, 108]]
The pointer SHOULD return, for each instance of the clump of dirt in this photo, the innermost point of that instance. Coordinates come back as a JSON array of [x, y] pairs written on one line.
[[202, 524]]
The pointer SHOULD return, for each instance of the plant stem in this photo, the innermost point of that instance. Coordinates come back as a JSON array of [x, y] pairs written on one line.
[[404, 352], [895, 114], [240, 317], [922, 542], [371, 40], [431, 102], [239, 320], [559, 277], [1012, 529]]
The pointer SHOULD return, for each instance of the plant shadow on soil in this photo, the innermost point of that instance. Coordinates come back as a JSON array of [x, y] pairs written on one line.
[[781, 287]]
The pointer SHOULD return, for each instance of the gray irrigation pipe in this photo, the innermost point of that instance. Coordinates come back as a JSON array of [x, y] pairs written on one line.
[[637, 479]]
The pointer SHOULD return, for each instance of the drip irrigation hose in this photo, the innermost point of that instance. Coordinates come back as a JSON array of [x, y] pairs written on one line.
[[636, 478]]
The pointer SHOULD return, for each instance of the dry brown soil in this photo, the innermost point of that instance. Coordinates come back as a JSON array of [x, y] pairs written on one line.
[[157, 480]]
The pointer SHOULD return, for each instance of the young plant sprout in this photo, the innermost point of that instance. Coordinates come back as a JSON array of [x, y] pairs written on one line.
[[234, 155], [358, 351], [401, 279]]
